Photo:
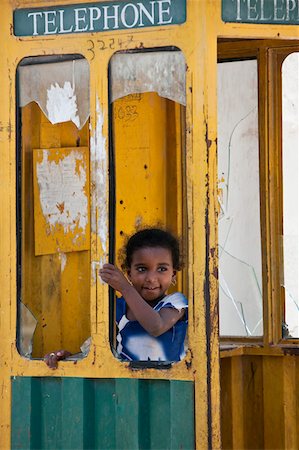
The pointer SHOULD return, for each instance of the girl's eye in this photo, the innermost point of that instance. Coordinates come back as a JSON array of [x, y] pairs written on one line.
[[140, 269], [162, 269]]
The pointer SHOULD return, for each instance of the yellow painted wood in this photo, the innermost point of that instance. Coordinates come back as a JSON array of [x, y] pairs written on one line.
[[259, 401], [62, 236], [290, 403], [148, 165], [140, 161], [237, 380], [55, 286]]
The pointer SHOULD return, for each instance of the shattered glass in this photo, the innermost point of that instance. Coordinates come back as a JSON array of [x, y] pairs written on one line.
[[27, 328], [60, 89], [240, 267], [290, 122], [161, 72]]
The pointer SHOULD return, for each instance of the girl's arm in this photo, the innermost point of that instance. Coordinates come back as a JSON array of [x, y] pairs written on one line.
[[154, 322]]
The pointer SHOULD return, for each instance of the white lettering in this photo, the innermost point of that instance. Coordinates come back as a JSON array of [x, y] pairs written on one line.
[[61, 23], [79, 19], [123, 15], [144, 12], [164, 11], [263, 12], [277, 9], [35, 33], [238, 10], [251, 8], [49, 21], [289, 9], [93, 17], [113, 17]]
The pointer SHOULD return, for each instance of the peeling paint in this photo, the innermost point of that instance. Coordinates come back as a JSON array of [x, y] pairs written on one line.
[[95, 266], [99, 220], [138, 221], [62, 104], [63, 260], [62, 196], [101, 263]]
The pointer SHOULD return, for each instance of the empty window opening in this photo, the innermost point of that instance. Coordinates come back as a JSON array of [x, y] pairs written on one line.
[[53, 218], [148, 122]]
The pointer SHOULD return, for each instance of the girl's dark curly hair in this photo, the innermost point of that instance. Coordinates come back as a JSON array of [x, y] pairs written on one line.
[[152, 237]]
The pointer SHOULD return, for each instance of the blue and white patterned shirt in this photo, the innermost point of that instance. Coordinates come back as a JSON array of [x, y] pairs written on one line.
[[134, 343]]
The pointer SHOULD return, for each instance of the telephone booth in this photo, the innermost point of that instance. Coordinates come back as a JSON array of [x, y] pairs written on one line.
[[117, 115]]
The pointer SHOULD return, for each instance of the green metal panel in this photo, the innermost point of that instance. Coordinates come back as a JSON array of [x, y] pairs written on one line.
[[260, 11], [116, 414], [99, 16]]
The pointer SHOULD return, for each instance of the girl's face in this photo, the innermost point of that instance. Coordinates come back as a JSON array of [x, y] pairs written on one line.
[[151, 272]]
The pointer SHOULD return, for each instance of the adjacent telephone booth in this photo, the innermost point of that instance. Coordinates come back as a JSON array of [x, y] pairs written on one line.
[[116, 115]]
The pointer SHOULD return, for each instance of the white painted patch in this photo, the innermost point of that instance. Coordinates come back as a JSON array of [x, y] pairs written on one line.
[[63, 260], [99, 222], [62, 104], [62, 196], [95, 267]]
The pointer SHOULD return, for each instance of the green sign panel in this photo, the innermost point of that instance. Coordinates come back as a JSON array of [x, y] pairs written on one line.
[[100, 16], [284, 12]]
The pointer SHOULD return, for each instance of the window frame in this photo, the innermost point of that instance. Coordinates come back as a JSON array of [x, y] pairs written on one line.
[[270, 55], [19, 217], [141, 365]]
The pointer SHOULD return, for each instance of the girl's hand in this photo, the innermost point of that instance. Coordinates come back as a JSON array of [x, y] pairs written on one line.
[[51, 359], [114, 277]]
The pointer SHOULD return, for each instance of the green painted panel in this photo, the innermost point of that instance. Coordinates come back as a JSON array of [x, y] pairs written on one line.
[[104, 414], [127, 414], [99, 16], [261, 11], [50, 399], [160, 414], [71, 413]]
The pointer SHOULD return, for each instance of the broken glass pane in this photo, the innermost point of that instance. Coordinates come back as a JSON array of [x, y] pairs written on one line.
[[147, 94], [290, 121], [161, 72], [53, 213], [61, 90], [27, 327], [240, 268]]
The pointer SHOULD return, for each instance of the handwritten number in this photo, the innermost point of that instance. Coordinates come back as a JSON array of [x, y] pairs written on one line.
[[91, 48], [128, 114], [102, 45], [110, 43]]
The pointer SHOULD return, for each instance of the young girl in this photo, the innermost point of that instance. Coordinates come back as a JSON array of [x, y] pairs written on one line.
[[151, 324]]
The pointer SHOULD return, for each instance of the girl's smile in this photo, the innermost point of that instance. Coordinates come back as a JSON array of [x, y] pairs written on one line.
[[151, 272]]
